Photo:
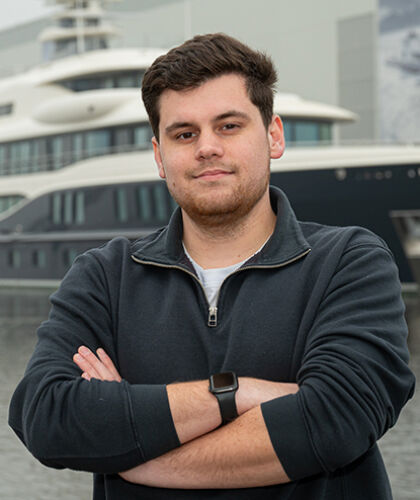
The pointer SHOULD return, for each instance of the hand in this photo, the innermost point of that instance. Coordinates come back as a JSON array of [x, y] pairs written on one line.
[[100, 367]]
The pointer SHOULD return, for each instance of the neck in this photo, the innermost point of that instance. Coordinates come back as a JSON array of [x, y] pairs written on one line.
[[227, 241]]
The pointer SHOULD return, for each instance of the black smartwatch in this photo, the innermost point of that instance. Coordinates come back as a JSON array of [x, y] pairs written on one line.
[[224, 387]]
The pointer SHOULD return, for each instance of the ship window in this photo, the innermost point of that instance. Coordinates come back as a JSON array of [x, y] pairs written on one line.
[[95, 43], [160, 202], [80, 208], [39, 258], [57, 147], [65, 47], [21, 157], [114, 79], [8, 201], [69, 254], [306, 132], [123, 138], [301, 131], [55, 152], [325, 132], [67, 149], [6, 109], [77, 147], [56, 208], [40, 159], [68, 208], [85, 84], [14, 158], [92, 21], [107, 83], [97, 142], [144, 203], [67, 22], [25, 156], [3, 158], [15, 259], [288, 131], [142, 136], [126, 81], [121, 204]]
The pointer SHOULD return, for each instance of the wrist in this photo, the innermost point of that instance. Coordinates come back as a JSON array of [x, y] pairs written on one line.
[[253, 391], [224, 386], [246, 397], [194, 410]]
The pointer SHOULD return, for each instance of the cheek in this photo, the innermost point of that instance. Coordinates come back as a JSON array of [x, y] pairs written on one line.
[[175, 166]]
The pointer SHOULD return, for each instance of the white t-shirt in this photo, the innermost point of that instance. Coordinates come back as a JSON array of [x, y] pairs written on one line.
[[212, 279]]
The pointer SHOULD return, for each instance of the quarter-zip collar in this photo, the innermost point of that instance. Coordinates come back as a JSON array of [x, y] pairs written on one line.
[[164, 247]]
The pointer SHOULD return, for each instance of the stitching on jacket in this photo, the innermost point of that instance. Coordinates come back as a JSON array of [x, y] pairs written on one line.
[[368, 245]]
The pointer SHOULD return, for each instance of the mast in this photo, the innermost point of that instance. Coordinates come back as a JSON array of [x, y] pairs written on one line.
[[81, 26]]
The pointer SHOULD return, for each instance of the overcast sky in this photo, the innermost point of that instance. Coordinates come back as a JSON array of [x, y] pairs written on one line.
[[14, 12]]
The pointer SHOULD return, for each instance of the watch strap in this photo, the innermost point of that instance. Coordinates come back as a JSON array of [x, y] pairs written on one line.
[[227, 406]]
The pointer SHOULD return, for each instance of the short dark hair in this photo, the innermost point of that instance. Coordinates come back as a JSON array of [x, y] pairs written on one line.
[[205, 57]]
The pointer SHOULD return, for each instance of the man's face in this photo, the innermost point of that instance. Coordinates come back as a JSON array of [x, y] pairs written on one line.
[[214, 150]]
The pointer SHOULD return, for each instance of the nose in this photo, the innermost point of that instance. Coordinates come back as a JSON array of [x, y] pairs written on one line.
[[208, 146]]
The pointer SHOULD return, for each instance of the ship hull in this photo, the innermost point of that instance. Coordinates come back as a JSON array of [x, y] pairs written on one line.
[[363, 196]]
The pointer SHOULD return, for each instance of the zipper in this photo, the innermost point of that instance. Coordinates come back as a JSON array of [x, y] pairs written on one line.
[[212, 320]]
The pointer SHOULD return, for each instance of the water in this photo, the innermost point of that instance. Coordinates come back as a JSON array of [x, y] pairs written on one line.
[[22, 477]]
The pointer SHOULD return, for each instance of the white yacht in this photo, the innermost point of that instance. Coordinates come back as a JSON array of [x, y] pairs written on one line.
[[76, 166]]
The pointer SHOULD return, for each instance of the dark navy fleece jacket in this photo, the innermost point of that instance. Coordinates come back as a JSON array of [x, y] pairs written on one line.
[[319, 306]]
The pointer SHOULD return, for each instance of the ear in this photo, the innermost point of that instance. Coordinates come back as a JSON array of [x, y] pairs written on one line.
[[276, 137], [158, 158]]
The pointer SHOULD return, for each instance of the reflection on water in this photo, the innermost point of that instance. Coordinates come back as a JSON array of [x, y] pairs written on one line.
[[22, 477]]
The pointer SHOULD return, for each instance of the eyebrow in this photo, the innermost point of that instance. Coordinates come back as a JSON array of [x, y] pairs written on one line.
[[228, 114]]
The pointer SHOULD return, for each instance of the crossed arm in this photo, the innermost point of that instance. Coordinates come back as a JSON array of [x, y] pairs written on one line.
[[238, 455]]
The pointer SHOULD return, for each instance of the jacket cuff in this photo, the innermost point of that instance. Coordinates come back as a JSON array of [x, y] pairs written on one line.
[[290, 439], [153, 425]]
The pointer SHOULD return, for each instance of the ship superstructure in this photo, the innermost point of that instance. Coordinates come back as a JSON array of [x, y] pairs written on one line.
[[76, 167]]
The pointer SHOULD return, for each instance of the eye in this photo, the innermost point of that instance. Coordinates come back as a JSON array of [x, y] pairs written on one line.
[[230, 126], [185, 136]]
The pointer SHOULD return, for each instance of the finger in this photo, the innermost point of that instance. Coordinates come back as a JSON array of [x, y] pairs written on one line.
[[107, 361], [85, 376], [101, 370], [92, 365], [85, 366]]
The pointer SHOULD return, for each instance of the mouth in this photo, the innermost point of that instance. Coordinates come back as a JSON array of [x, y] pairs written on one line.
[[213, 174]]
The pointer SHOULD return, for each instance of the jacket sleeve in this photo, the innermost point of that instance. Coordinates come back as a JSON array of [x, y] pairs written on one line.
[[66, 421], [354, 378]]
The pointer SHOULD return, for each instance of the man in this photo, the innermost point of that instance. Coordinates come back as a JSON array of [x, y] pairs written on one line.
[[299, 326]]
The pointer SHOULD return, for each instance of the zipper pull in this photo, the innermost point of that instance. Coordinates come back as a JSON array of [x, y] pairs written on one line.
[[212, 321]]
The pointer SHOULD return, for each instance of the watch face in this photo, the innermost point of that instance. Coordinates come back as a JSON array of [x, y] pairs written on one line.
[[224, 381]]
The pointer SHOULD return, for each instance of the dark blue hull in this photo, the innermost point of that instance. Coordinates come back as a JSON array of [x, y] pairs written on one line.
[[40, 241]]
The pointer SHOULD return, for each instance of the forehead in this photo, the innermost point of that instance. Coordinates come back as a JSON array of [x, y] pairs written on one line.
[[210, 99]]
